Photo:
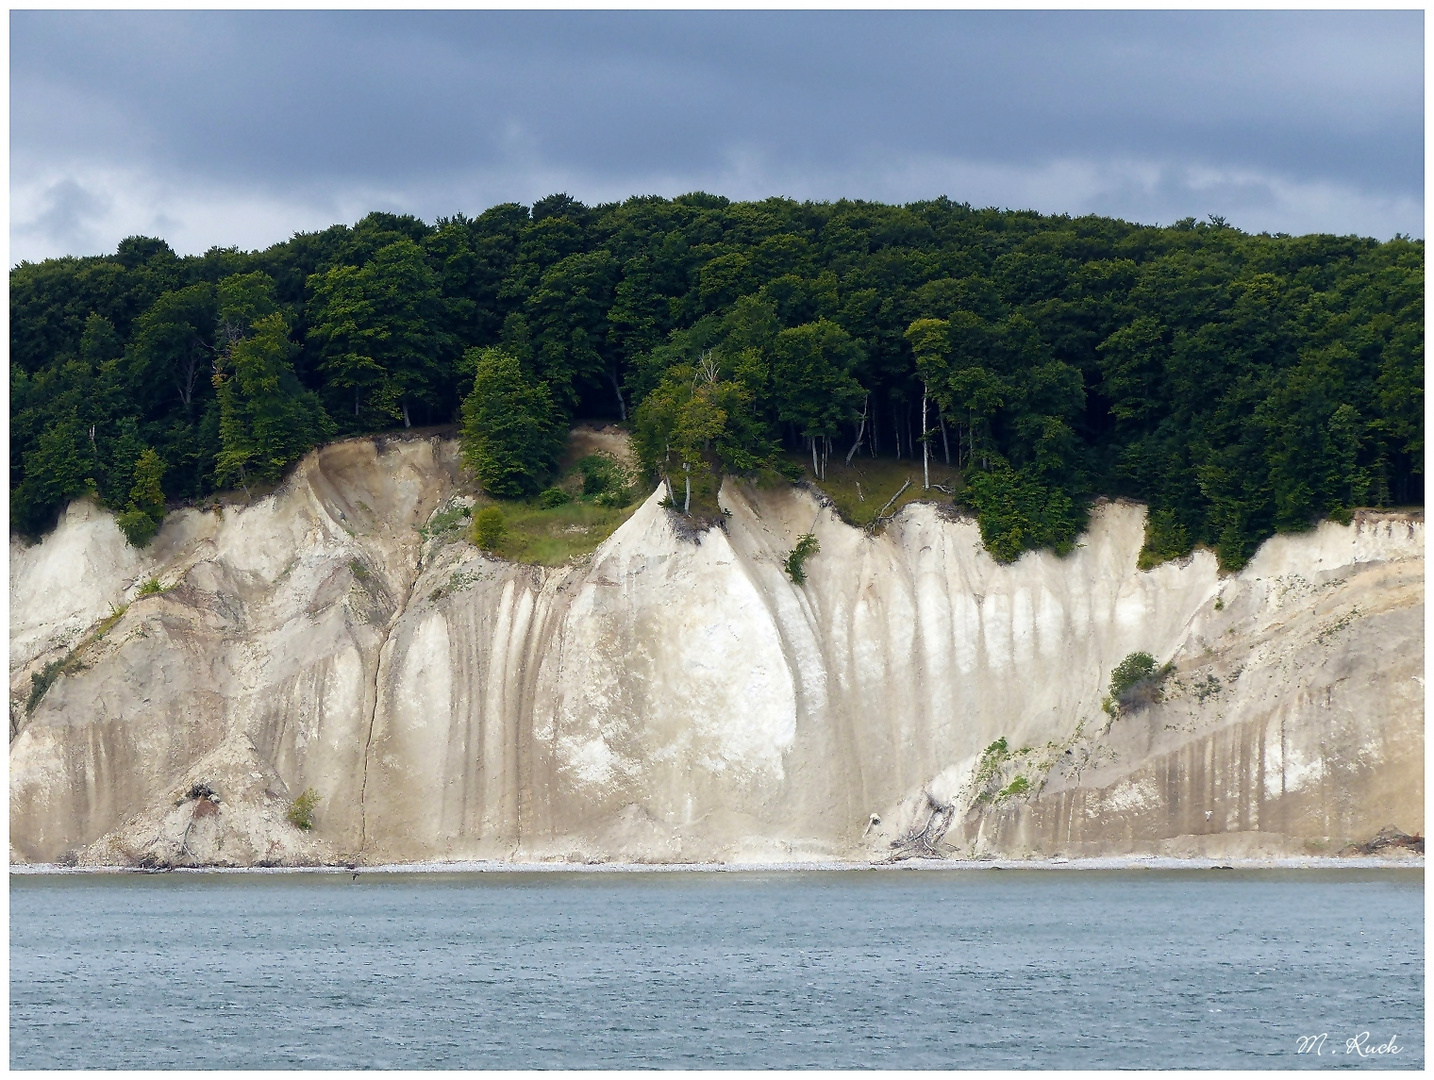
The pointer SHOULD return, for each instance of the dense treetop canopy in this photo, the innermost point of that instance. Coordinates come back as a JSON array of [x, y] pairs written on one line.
[[1238, 384]]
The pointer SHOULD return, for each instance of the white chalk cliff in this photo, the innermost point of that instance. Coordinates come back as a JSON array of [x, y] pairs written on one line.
[[669, 700]]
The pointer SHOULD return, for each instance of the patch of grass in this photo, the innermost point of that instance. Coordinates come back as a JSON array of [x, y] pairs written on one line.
[[989, 767], [152, 587], [1165, 539], [861, 489], [301, 810], [359, 570], [106, 625], [552, 535]]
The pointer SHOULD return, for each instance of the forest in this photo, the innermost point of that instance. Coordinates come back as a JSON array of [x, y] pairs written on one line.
[[1239, 385]]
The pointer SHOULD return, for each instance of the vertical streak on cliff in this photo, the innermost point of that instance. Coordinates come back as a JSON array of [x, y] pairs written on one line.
[[534, 799], [379, 670]]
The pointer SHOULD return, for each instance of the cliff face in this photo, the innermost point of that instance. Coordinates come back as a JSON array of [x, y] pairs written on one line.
[[673, 700]]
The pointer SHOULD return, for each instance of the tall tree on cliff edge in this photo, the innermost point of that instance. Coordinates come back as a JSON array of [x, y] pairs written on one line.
[[512, 434], [267, 420], [383, 346]]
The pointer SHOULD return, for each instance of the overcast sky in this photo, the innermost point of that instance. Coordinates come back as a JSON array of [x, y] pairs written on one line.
[[240, 128]]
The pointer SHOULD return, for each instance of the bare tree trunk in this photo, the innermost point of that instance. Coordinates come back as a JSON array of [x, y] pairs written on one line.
[[617, 389], [356, 399], [687, 484], [925, 446], [859, 431], [945, 444], [406, 422], [815, 475], [894, 498], [896, 429]]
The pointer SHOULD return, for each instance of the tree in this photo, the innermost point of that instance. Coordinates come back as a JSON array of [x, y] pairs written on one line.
[[381, 336], [930, 341], [698, 420], [59, 468], [172, 344], [266, 419], [511, 434], [812, 380], [567, 314], [145, 513]]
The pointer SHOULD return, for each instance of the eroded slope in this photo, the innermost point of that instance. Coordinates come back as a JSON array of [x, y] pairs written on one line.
[[676, 700]]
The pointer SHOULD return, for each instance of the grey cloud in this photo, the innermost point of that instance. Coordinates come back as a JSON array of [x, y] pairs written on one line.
[[69, 214], [301, 105]]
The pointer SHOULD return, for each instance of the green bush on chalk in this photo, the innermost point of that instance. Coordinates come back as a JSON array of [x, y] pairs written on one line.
[[301, 810]]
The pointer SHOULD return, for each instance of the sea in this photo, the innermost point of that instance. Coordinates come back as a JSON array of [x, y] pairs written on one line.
[[930, 969]]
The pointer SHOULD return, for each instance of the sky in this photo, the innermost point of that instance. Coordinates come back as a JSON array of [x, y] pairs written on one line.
[[224, 128]]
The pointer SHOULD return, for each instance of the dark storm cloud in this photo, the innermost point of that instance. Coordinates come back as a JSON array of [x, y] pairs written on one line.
[[1136, 114]]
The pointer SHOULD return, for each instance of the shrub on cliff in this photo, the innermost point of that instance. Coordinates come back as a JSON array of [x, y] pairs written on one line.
[[1137, 681], [797, 558], [301, 810], [488, 528]]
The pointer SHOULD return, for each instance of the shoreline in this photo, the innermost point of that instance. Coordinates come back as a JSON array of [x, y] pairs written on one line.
[[1107, 863]]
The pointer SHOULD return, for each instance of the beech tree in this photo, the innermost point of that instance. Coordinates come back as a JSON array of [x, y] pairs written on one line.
[[511, 431], [266, 419]]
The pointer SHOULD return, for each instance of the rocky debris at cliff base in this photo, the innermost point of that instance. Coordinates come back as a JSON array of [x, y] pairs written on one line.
[[1390, 839]]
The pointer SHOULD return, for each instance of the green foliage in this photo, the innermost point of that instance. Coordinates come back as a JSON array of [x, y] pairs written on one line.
[[1165, 539], [138, 527], [1018, 512], [446, 521], [600, 473], [142, 518], [301, 810], [380, 329], [488, 528], [553, 497], [1238, 385], [988, 768], [812, 377], [797, 558], [1136, 681], [41, 681], [151, 587], [1131, 670], [266, 419], [698, 423], [550, 536], [511, 434], [1019, 786]]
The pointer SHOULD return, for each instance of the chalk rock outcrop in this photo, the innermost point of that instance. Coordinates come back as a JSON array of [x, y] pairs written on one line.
[[671, 700]]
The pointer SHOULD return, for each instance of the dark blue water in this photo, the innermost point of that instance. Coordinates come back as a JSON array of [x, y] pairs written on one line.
[[964, 969]]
